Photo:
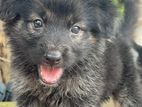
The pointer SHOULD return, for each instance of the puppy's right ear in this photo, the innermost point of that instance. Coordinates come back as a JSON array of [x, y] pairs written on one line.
[[8, 10]]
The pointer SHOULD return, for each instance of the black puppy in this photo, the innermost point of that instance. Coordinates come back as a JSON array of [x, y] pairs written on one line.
[[66, 54]]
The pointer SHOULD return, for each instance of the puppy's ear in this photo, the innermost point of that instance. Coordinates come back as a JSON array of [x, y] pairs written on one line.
[[8, 10]]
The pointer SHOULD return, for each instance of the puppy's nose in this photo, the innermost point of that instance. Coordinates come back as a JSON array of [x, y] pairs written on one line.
[[54, 56]]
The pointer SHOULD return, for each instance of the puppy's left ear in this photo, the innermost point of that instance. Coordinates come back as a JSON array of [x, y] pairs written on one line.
[[8, 10]]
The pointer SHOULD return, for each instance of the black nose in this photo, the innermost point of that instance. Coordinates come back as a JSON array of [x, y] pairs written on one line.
[[54, 56]]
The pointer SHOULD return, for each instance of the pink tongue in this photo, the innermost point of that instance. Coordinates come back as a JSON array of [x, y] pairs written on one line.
[[50, 74]]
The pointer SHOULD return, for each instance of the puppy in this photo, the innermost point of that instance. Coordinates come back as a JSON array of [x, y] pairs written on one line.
[[66, 54]]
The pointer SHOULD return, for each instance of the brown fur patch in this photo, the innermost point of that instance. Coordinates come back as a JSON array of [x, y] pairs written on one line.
[[4, 57]]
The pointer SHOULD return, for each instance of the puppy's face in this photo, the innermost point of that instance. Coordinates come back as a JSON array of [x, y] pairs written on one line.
[[52, 35]]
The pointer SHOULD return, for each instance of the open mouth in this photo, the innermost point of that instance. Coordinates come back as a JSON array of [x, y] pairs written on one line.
[[50, 75]]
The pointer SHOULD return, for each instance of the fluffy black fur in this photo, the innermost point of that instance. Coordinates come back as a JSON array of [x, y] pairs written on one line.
[[97, 63]]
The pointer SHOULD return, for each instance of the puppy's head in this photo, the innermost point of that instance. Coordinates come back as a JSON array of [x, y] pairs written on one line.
[[55, 35]]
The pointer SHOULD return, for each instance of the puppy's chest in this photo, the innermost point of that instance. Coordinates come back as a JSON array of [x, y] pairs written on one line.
[[61, 99]]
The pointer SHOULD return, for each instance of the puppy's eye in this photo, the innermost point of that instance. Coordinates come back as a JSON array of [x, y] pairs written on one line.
[[38, 23], [75, 29]]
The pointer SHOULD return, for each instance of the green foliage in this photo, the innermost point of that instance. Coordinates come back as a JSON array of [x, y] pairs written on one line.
[[120, 7]]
